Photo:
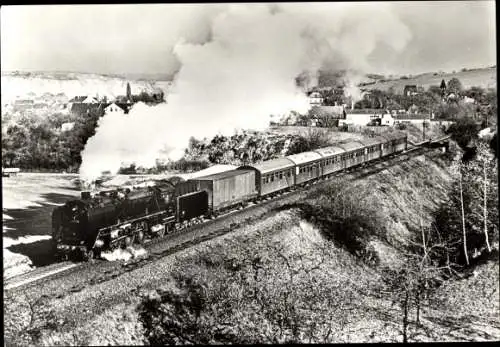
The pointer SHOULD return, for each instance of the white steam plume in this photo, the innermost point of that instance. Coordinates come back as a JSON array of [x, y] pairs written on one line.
[[242, 75]]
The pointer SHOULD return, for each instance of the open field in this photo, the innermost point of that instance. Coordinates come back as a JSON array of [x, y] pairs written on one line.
[[485, 78], [28, 200]]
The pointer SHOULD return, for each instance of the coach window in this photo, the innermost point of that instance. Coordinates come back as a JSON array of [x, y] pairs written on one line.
[[281, 175]]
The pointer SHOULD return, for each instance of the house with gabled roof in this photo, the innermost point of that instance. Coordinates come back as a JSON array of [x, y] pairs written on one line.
[[121, 108]]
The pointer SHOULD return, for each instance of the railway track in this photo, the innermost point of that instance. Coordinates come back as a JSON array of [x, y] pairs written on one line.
[[187, 237]]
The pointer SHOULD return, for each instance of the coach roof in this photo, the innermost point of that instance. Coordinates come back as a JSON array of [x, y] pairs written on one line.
[[271, 165], [326, 152], [304, 157], [220, 175], [351, 146]]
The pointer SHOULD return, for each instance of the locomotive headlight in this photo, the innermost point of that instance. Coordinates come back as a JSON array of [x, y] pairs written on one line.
[[114, 234], [99, 243]]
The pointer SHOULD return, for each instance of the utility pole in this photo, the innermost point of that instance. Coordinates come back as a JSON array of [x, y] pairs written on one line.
[[423, 129]]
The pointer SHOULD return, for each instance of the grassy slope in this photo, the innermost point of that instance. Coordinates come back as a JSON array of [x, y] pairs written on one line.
[[485, 78]]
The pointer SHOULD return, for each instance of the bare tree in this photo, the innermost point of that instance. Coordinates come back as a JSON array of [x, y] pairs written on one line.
[[420, 275], [463, 218]]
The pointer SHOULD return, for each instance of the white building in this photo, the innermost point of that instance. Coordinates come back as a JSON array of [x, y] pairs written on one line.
[[387, 119], [364, 116], [67, 126], [468, 100], [114, 108]]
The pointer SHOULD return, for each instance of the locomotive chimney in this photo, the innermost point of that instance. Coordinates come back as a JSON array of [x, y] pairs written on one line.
[[85, 195]]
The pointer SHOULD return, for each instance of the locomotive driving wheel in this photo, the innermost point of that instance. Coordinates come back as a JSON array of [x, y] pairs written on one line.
[[128, 241], [89, 255]]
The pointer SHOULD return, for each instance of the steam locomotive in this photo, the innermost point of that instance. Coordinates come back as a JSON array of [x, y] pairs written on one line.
[[122, 217]]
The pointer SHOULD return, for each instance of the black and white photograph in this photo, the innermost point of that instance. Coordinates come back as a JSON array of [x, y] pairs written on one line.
[[249, 173]]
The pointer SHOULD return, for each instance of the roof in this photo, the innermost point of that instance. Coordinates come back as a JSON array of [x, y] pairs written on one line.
[[327, 110], [326, 152], [272, 165], [304, 157], [220, 175], [351, 146], [11, 169], [315, 95], [84, 108], [370, 141], [78, 98], [366, 111], [90, 100], [412, 116], [121, 105], [24, 101]]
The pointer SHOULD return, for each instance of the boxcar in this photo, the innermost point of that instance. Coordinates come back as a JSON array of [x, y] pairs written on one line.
[[331, 159], [354, 153], [307, 166], [272, 176], [227, 189]]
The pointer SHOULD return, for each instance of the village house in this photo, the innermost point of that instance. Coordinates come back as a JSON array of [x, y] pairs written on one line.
[[327, 115], [116, 108], [363, 116], [410, 90], [315, 99], [22, 105]]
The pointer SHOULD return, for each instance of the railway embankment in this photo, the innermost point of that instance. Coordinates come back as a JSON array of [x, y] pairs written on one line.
[[310, 270]]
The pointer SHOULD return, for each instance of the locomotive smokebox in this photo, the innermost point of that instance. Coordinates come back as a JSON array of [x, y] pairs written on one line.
[[85, 195]]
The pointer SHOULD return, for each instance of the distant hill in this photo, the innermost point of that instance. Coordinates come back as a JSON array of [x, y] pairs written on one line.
[[482, 77], [32, 84]]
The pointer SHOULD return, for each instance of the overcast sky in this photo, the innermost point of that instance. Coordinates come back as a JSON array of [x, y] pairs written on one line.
[[140, 38]]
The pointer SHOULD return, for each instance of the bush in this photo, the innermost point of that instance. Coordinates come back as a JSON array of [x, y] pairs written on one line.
[[463, 131], [184, 165], [312, 140]]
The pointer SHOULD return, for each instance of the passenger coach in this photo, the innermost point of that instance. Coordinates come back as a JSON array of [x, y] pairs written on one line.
[[354, 153], [373, 147], [307, 166], [331, 159], [272, 176]]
